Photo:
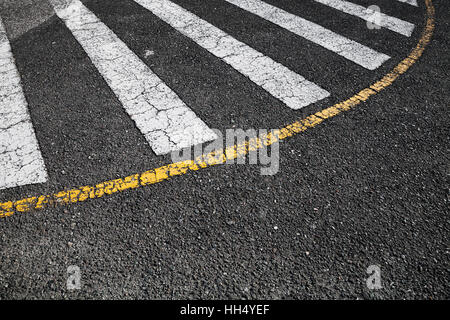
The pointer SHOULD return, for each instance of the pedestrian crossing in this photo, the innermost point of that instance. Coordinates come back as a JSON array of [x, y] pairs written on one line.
[[166, 121], [291, 88], [392, 23], [351, 50], [20, 159]]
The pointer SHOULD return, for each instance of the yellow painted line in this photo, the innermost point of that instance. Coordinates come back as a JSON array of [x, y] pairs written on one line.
[[156, 175]]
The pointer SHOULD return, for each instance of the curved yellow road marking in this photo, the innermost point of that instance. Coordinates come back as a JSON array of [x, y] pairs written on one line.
[[221, 156]]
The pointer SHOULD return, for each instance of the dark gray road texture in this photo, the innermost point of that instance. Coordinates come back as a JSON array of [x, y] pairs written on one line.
[[367, 187]]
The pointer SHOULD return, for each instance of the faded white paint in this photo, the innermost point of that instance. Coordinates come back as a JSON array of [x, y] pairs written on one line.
[[292, 89], [411, 2], [351, 50], [21, 162], [167, 123], [394, 24]]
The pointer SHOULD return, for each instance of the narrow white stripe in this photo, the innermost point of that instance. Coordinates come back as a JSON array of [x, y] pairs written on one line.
[[394, 24], [284, 84], [21, 161], [411, 2], [167, 123], [347, 48]]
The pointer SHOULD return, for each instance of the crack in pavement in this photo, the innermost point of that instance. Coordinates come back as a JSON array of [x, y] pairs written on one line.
[[21, 161]]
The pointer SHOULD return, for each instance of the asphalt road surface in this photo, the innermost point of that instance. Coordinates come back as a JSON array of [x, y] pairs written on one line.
[[97, 90]]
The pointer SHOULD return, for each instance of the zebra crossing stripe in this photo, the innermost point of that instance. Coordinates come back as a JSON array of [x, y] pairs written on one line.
[[21, 162], [411, 2], [394, 24], [351, 50], [166, 122], [289, 87]]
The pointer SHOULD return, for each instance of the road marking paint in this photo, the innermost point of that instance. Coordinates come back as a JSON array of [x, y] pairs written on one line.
[[166, 122], [349, 49], [411, 2], [21, 161], [218, 157], [292, 89], [394, 24]]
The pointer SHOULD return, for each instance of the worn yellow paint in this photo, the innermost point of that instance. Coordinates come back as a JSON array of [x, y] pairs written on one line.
[[221, 156]]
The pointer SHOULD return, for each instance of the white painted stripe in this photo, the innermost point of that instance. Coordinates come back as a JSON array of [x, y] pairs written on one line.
[[21, 162], [411, 2], [284, 84], [353, 51], [167, 123], [394, 24]]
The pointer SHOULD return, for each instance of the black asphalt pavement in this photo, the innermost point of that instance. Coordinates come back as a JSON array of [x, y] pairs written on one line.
[[367, 187]]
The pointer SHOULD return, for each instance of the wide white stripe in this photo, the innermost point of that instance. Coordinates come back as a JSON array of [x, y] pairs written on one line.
[[347, 48], [284, 84], [167, 123], [411, 2], [397, 25], [21, 161]]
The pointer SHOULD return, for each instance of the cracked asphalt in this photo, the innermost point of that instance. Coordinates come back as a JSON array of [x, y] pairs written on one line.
[[367, 187]]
